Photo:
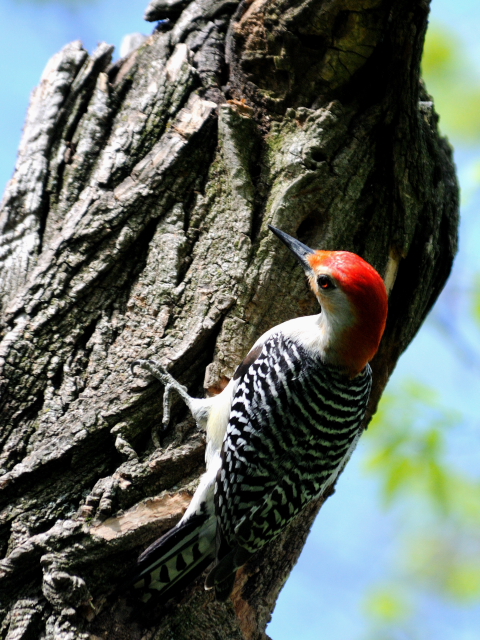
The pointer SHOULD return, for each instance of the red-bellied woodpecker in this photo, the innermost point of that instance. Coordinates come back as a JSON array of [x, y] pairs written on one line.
[[281, 431]]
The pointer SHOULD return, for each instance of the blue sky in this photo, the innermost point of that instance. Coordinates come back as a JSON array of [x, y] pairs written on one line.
[[31, 32], [353, 541]]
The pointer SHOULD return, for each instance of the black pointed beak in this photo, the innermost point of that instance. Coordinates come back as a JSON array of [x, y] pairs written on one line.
[[299, 250]]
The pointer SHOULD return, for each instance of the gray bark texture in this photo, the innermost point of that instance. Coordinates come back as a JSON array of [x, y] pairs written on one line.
[[135, 226]]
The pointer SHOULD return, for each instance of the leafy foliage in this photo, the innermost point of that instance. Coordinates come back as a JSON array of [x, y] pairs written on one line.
[[437, 508], [410, 431], [454, 83]]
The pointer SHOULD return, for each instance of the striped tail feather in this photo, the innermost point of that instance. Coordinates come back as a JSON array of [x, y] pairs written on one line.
[[176, 558]]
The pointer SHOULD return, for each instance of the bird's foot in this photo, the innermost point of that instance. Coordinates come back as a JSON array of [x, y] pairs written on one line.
[[159, 372]]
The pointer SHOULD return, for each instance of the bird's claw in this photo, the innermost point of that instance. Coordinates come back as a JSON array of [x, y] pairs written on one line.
[[154, 368], [166, 406], [160, 373]]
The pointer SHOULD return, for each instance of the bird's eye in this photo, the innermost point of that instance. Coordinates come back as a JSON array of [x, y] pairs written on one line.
[[324, 282]]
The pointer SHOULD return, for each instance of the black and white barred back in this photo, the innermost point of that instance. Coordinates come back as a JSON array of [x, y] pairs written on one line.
[[294, 422]]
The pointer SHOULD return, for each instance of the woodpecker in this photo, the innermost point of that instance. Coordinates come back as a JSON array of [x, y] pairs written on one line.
[[280, 432]]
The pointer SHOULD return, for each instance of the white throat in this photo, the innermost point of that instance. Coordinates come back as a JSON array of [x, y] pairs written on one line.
[[317, 334]]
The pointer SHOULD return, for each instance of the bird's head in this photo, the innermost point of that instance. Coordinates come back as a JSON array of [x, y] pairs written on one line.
[[353, 300]]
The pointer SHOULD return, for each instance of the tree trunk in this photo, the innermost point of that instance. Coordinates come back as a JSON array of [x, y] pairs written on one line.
[[135, 226]]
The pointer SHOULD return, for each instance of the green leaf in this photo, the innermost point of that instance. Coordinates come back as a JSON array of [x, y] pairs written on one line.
[[453, 80], [476, 287], [387, 605], [439, 54], [464, 581]]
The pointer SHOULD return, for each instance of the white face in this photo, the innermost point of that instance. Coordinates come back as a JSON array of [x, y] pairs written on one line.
[[333, 300]]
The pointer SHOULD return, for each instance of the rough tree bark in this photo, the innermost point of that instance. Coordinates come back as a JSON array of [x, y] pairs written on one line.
[[135, 227]]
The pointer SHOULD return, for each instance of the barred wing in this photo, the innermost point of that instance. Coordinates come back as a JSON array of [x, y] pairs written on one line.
[[293, 422]]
